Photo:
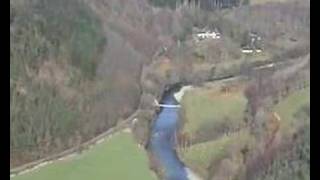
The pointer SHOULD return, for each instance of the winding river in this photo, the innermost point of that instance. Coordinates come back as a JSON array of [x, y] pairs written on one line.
[[163, 141], [166, 125]]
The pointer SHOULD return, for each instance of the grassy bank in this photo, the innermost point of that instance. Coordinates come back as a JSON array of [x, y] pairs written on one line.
[[116, 158], [204, 156], [212, 108], [210, 113], [207, 108]]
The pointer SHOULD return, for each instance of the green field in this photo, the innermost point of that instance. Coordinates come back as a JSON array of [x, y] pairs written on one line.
[[207, 110], [209, 106], [118, 158], [199, 156]]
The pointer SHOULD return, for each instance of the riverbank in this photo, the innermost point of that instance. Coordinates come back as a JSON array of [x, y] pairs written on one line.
[[220, 151], [230, 76]]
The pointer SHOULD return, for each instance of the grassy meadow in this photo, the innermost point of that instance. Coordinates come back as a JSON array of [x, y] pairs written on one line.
[[116, 158], [211, 106]]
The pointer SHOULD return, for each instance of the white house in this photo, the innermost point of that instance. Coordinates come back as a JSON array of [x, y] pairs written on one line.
[[208, 34], [249, 51]]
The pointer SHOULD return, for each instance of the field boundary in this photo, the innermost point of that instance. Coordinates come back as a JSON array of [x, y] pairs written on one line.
[[94, 141]]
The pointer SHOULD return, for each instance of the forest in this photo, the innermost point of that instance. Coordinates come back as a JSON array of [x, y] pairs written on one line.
[[79, 68]]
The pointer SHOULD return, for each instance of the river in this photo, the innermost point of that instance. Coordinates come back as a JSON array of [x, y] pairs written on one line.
[[163, 141], [165, 127]]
